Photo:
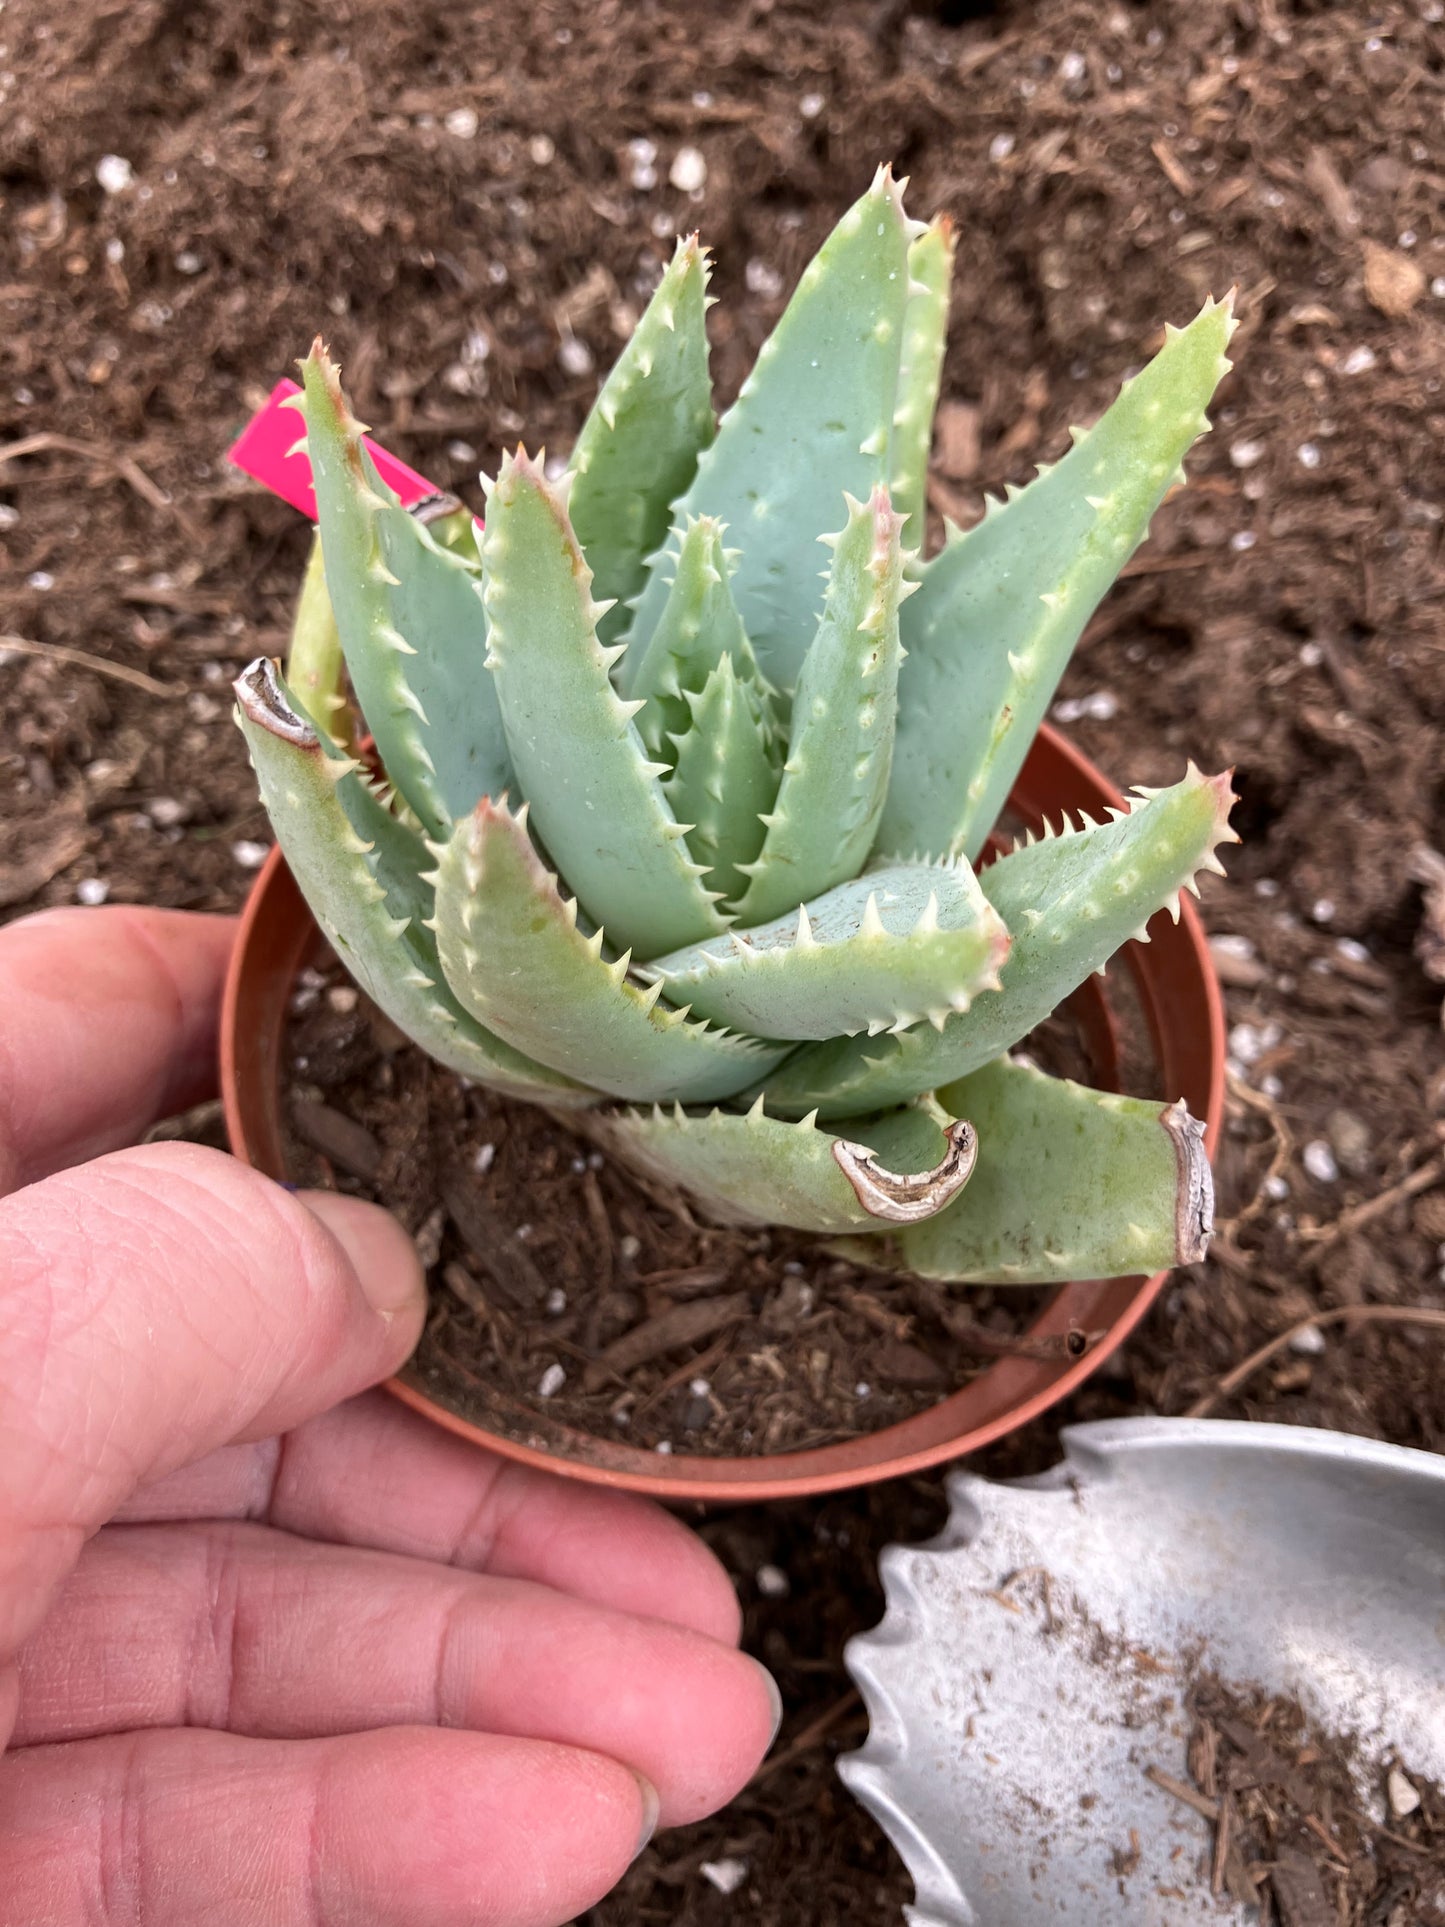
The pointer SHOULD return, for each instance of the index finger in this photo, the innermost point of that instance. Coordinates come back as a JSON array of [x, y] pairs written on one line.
[[107, 1022]]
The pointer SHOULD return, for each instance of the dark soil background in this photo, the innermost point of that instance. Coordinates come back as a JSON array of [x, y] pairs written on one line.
[[473, 204]]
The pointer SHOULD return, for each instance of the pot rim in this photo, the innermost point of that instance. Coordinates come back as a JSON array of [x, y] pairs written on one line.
[[1176, 984]]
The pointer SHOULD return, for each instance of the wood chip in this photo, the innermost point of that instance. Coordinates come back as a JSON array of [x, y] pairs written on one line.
[[337, 1137], [63, 841], [683, 1325], [1299, 1891], [492, 1243], [696, 1281], [956, 440], [1393, 282], [893, 1362]]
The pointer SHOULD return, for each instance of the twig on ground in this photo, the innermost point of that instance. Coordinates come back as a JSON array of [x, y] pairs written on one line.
[[125, 466], [82, 659], [1336, 1315], [1421, 1179], [814, 1731], [1279, 1159]]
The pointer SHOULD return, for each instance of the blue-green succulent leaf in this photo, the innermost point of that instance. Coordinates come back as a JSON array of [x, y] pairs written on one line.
[[639, 446], [1069, 1183], [700, 627], [1000, 609], [754, 1169], [596, 798], [925, 331], [514, 956], [726, 775], [360, 870], [1069, 901], [813, 418], [410, 619], [835, 778], [891, 948]]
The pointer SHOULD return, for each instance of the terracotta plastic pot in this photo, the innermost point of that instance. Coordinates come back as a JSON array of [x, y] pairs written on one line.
[[1179, 997]]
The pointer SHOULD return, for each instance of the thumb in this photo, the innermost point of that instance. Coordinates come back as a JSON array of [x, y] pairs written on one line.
[[156, 1304]]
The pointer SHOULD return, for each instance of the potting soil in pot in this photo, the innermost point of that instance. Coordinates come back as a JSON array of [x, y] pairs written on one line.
[[565, 1293]]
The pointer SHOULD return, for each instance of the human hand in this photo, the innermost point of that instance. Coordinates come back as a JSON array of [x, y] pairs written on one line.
[[267, 1658]]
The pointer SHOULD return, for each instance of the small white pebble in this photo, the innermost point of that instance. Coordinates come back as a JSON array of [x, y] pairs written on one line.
[[483, 1158], [1231, 946], [343, 998], [463, 122], [92, 891], [40, 579], [1073, 66], [542, 150], [664, 1446], [629, 1246], [1349, 948], [1323, 910], [524, 1233], [810, 106], [556, 1302], [862, 1389], [1437, 287], [1249, 1042], [1276, 1188], [1266, 887], [115, 251], [249, 855], [1244, 454], [1308, 455], [620, 1415], [1319, 1161], [551, 1382], [579, 1167], [188, 262], [642, 154], [575, 356], [726, 1875], [1403, 1798], [1309, 1343], [688, 172], [699, 1387], [1000, 147], [1311, 655], [595, 1161], [167, 811], [1359, 361], [1242, 539], [1102, 706], [1270, 1086], [773, 1582], [763, 280], [115, 173], [461, 452]]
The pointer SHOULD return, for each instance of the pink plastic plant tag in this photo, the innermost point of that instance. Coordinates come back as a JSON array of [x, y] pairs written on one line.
[[266, 450]]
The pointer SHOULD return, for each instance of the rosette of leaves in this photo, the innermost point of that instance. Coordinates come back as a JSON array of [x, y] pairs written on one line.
[[673, 831]]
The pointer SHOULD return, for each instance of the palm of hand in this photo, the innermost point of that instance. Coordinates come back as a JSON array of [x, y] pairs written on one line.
[[268, 1657]]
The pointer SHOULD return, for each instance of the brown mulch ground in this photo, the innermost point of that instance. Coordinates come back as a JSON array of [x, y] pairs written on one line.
[[473, 203]]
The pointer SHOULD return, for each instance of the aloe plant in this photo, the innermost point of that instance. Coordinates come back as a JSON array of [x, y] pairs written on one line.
[[667, 835]]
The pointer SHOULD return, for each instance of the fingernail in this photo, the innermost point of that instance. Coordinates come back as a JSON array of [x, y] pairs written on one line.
[[776, 1699], [651, 1807], [382, 1255]]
